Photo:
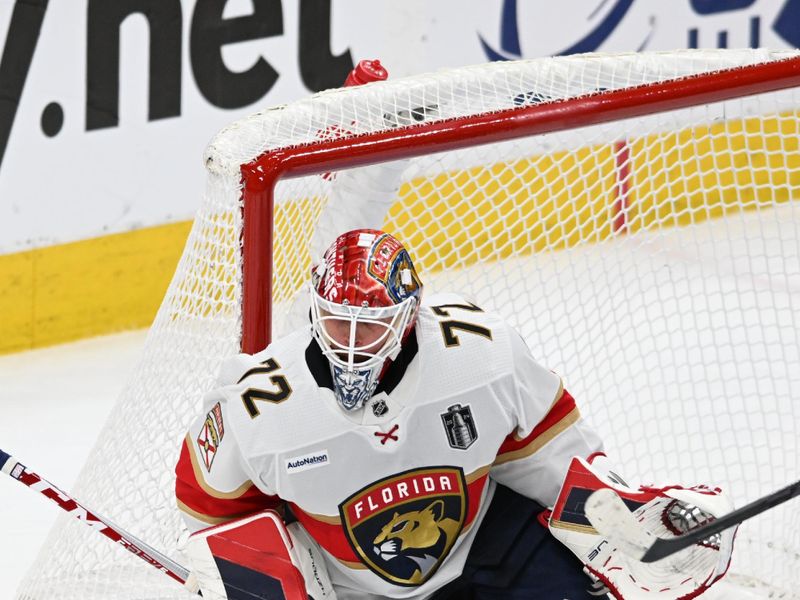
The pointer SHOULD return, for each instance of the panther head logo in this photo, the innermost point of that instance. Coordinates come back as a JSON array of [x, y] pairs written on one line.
[[420, 536], [403, 526]]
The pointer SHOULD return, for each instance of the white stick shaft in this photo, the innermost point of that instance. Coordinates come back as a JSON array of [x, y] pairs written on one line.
[[13, 468]]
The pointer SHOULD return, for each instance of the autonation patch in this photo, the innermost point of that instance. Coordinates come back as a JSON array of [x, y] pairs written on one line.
[[307, 461]]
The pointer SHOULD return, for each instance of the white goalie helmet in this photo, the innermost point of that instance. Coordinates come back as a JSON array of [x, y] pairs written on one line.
[[365, 297]]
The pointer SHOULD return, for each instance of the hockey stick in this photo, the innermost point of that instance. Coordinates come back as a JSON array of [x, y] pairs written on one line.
[[12, 467], [609, 515]]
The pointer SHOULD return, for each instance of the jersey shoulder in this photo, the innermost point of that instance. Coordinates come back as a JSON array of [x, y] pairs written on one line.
[[285, 350], [454, 305], [271, 396], [458, 335]]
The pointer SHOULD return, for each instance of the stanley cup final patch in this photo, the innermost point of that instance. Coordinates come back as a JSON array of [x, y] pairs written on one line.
[[403, 526], [459, 426], [211, 435]]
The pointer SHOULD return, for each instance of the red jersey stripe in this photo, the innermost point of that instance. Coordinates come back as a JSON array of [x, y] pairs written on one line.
[[199, 500], [561, 415]]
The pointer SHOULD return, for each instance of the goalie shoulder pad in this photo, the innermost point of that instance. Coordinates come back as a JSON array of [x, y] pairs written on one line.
[[257, 557], [233, 367]]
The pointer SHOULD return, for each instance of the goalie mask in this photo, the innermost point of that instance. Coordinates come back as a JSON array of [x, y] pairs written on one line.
[[365, 298]]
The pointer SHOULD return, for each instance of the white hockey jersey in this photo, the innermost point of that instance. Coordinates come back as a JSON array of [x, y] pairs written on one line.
[[395, 492]]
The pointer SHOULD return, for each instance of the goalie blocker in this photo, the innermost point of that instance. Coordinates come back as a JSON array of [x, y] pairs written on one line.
[[257, 558], [665, 512]]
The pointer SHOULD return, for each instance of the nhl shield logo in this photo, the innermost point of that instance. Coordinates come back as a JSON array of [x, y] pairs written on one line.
[[379, 408], [459, 426], [402, 527]]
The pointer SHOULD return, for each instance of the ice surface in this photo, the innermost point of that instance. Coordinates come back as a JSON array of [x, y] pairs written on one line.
[[53, 403]]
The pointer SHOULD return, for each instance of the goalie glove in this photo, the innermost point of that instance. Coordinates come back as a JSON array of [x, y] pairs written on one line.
[[662, 511], [258, 557]]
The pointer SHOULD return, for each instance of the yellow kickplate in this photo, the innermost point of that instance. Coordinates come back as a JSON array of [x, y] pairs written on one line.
[[92, 287]]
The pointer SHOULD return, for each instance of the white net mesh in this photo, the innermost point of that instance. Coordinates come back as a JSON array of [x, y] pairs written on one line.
[[653, 262]]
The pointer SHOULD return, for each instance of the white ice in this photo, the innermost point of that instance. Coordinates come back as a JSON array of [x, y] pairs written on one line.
[[54, 402]]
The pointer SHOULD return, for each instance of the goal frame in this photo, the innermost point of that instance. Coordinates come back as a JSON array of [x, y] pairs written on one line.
[[260, 176]]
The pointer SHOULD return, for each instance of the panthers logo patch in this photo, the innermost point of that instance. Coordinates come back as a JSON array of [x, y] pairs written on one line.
[[403, 527], [390, 264], [211, 435]]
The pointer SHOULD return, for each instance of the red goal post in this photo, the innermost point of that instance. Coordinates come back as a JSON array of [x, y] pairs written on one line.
[[261, 175], [634, 216]]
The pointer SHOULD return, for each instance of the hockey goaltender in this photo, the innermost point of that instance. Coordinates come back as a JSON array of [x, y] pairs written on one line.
[[401, 446]]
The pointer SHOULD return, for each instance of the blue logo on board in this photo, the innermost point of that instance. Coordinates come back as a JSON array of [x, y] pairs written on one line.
[[509, 32], [785, 24]]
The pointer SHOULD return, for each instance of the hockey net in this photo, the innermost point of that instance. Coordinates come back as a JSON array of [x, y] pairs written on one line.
[[643, 237]]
